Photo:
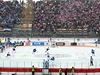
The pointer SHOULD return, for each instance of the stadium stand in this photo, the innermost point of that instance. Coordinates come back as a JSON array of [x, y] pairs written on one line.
[[54, 18], [71, 15], [10, 14]]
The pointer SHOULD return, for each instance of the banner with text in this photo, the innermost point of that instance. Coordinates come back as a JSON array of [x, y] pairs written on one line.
[[60, 43], [37, 43]]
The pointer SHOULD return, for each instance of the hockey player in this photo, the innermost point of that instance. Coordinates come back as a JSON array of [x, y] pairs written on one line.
[[53, 58], [2, 50], [47, 49], [48, 55], [14, 49], [34, 50], [8, 54], [93, 52], [46, 64], [91, 61]]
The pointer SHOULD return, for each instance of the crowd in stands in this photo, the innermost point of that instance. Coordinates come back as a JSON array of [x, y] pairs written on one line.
[[10, 13], [70, 14], [50, 15]]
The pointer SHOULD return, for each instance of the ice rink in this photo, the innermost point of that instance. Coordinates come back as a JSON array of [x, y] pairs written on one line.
[[65, 57]]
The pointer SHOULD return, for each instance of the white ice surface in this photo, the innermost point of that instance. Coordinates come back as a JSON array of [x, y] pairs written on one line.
[[78, 57]]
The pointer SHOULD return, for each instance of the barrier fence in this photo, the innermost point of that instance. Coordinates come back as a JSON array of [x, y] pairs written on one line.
[[38, 63]]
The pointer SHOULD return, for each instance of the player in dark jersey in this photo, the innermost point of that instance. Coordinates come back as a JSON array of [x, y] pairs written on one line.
[[52, 58], [8, 54], [47, 49], [14, 49], [34, 50], [93, 52]]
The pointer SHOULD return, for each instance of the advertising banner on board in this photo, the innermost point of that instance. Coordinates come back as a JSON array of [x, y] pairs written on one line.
[[60, 43], [37, 43]]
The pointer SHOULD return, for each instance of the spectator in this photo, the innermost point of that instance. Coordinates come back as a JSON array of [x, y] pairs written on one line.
[[50, 16], [10, 13]]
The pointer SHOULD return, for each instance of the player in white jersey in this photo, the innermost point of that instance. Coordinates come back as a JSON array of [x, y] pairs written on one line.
[[91, 61], [48, 55]]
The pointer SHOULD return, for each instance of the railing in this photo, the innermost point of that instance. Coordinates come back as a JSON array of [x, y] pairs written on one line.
[[59, 63], [30, 33]]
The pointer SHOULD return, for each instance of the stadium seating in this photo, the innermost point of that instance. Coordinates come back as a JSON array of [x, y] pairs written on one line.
[[64, 17], [71, 14], [10, 14]]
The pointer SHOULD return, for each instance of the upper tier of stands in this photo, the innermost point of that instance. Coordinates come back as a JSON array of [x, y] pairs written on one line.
[[52, 16], [47, 16], [10, 14]]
